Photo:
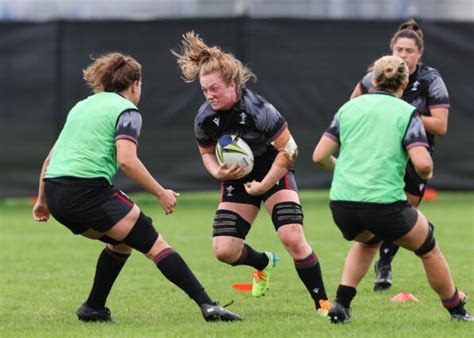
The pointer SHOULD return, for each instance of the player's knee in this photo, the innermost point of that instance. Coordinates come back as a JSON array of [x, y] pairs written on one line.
[[225, 255], [121, 248], [143, 235], [429, 243], [229, 223], [293, 240], [287, 213], [226, 251], [109, 240]]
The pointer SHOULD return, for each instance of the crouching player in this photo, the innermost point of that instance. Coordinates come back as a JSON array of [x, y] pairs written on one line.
[[99, 137]]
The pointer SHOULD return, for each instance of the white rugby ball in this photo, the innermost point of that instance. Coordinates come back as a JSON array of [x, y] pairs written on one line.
[[231, 149]]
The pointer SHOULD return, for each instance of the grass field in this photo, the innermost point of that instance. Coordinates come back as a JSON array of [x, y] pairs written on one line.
[[46, 273]]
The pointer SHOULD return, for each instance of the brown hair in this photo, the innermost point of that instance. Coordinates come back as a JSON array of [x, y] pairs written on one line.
[[389, 72], [196, 58], [112, 72], [409, 30]]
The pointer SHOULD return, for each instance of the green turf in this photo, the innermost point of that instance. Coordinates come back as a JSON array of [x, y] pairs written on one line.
[[46, 273]]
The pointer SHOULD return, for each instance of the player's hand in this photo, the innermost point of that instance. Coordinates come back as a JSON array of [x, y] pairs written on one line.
[[41, 212], [235, 172], [255, 188], [168, 200]]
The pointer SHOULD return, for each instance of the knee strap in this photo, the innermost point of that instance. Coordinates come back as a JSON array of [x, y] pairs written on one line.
[[287, 213], [109, 240], [429, 242], [229, 223], [143, 235]]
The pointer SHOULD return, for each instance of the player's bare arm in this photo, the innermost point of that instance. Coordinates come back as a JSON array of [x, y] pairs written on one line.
[[132, 166], [323, 154], [437, 123]]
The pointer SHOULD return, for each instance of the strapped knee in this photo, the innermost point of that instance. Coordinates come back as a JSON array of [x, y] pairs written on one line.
[[287, 213], [109, 240], [143, 235], [429, 242], [229, 223]]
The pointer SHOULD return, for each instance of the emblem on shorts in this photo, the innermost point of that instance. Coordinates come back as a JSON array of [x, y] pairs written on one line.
[[216, 121], [243, 117], [415, 86], [229, 190], [316, 290]]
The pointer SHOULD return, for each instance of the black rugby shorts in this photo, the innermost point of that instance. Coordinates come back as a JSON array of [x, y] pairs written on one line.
[[414, 184], [234, 191], [81, 204], [387, 221]]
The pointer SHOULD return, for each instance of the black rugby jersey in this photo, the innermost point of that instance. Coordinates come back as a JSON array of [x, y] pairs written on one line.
[[425, 90], [252, 118]]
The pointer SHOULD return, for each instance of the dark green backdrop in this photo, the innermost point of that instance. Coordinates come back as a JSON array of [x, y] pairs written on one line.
[[306, 68]]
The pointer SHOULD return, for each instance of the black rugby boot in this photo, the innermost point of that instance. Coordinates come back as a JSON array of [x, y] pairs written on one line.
[[383, 276], [87, 314], [339, 314], [216, 313]]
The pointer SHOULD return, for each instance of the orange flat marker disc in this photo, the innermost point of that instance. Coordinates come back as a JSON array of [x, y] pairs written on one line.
[[430, 194], [242, 287], [404, 297]]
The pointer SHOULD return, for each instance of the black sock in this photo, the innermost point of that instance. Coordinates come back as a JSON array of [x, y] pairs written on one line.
[[309, 271], [455, 304], [175, 269], [345, 295], [249, 256], [108, 268], [387, 250]]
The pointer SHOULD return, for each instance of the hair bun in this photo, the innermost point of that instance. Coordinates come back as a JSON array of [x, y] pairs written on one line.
[[389, 72]]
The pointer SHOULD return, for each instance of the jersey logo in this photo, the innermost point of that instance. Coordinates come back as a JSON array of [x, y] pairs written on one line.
[[216, 121], [229, 191], [414, 88], [243, 117]]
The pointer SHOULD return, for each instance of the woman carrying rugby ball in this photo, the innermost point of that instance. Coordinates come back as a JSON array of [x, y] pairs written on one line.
[[231, 108]]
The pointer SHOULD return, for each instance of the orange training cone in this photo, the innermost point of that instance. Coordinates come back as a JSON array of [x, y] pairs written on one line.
[[242, 287], [404, 297], [430, 194]]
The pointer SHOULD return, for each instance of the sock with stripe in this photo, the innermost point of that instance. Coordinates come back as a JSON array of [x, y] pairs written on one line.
[[455, 304], [249, 256], [309, 271], [108, 267], [175, 269]]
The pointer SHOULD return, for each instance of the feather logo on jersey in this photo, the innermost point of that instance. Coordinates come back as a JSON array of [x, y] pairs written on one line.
[[243, 117], [228, 144]]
